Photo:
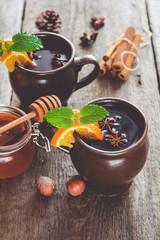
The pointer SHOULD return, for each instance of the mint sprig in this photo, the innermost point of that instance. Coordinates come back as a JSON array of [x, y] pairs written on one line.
[[60, 117], [22, 42], [64, 117], [92, 113]]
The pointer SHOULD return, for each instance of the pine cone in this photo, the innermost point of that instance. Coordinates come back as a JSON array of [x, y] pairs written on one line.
[[49, 21]]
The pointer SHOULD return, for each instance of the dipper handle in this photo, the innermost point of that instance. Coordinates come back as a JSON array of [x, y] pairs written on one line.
[[40, 107], [17, 122]]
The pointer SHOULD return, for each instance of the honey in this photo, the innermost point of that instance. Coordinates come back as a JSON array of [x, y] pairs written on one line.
[[16, 145]]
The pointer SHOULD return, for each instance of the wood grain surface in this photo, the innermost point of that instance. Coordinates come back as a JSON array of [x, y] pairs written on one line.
[[24, 214], [153, 8]]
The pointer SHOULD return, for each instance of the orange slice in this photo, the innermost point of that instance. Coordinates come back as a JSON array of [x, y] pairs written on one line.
[[10, 58], [64, 136], [16, 57]]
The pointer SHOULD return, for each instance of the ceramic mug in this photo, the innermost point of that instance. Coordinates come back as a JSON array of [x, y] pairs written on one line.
[[29, 85], [111, 172]]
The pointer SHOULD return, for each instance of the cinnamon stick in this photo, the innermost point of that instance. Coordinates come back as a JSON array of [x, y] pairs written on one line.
[[102, 68], [123, 46], [112, 48], [124, 74], [112, 73], [108, 63]]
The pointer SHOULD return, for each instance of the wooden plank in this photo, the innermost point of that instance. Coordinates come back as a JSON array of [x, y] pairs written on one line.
[[10, 23], [135, 215], [154, 20]]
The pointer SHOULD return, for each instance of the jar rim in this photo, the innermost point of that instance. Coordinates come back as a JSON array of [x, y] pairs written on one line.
[[25, 138]]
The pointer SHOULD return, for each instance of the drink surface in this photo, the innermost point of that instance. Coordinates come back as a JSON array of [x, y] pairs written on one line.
[[126, 123], [55, 54], [13, 135], [47, 60]]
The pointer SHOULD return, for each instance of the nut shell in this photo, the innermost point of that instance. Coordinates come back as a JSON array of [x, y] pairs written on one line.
[[46, 186], [76, 185]]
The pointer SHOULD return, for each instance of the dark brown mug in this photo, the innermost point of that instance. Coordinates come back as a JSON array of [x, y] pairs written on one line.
[[111, 172], [29, 85]]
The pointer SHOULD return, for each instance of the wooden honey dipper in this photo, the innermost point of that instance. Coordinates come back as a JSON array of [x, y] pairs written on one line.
[[38, 108]]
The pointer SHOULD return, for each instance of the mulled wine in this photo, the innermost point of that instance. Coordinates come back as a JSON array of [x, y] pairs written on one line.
[[121, 128], [52, 56], [48, 59]]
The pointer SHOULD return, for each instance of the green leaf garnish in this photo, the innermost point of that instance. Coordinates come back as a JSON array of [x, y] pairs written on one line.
[[64, 117], [1, 52], [76, 117], [60, 117], [25, 42], [7, 45], [92, 113], [22, 42]]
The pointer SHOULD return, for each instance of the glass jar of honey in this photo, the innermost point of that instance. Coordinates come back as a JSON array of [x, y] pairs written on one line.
[[16, 145]]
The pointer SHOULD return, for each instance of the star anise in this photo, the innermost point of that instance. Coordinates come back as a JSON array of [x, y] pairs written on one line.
[[116, 140], [33, 55], [97, 22], [86, 39], [107, 123], [59, 62]]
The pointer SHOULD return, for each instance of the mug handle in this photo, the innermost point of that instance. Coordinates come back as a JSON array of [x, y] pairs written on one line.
[[79, 63]]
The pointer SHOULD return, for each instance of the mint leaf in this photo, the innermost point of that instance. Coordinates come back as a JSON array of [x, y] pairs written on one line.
[[92, 113], [60, 117], [7, 45], [76, 117], [25, 42], [1, 52]]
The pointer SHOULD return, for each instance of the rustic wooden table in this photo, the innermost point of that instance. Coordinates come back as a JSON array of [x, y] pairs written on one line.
[[24, 214]]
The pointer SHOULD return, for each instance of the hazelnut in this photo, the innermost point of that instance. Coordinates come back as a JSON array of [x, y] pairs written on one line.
[[46, 186], [76, 185]]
